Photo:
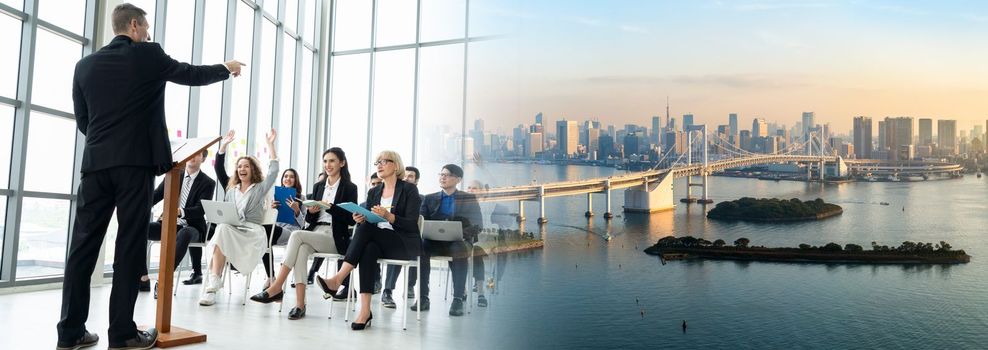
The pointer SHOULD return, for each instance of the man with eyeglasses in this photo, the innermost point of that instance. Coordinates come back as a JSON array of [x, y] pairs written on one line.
[[452, 204]]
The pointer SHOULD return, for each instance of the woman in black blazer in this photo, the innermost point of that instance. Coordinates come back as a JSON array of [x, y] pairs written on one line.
[[398, 237], [326, 230]]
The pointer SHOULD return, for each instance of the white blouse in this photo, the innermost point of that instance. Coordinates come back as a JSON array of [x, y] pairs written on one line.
[[240, 198], [386, 202]]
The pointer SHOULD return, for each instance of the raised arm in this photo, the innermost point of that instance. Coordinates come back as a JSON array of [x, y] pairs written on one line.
[[272, 174], [186, 74]]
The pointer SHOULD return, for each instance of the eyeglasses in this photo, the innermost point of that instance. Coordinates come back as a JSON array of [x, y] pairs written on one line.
[[382, 161], [446, 175]]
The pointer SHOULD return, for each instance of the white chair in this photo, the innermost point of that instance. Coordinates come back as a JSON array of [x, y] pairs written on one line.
[[446, 260], [405, 265], [270, 216]]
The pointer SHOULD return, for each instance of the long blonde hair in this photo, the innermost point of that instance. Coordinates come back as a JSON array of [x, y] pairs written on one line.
[[256, 176], [399, 165]]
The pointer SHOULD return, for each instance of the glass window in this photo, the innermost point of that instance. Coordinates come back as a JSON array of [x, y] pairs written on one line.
[[3, 224], [264, 103], [54, 63], [211, 96], [443, 19], [394, 88], [440, 106], [305, 102], [241, 85], [69, 15], [353, 25], [43, 235], [285, 118], [291, 15], [495, 17], [10, 41], [17, 4], [178, 45], [270, 6], [6, 142], [348, 119], [311, 13], [50, 153], [395, 22], [492, 70]]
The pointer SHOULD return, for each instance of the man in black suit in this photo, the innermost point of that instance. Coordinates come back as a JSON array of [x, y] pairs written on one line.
[[191, 225], [454, 205], [119, 102]]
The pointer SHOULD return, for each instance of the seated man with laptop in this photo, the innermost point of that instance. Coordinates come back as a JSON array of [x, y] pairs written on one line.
[[449, 204], [191, 226]]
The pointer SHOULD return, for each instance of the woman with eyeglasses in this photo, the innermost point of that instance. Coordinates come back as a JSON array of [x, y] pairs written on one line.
[[398, 237]]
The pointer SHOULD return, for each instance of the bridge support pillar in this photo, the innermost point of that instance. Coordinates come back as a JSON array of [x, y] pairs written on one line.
[[809, 172], [542, 218], [705, 199], [607, 200], [589, 212], [521, 211], [650, 197], [823, 170]]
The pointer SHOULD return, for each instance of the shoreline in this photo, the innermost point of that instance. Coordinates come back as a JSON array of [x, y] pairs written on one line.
[[795, 255], [819, 216]]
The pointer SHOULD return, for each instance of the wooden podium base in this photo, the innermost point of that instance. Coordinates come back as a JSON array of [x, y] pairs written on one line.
[[178, 337]]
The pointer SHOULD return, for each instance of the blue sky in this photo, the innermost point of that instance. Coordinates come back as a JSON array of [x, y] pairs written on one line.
[[617, 60]]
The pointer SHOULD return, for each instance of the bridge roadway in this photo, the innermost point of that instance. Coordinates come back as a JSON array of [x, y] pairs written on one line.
[[604, 186]]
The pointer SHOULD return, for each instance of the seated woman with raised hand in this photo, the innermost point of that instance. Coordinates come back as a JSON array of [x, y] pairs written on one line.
[[241, 245], [397, 237], [327, 230], [289, 179]]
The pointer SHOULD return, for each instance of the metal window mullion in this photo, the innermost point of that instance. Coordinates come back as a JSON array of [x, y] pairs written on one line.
[[415, 84], [8, 10], [229, 40], [49, 195], [319, 85], [8, 267], [327, 127], [370, 90], [62, 32], [466, 48], [296, 115], [160, 10], [255, 81], [11, 102], [198, 31], [53, 112]]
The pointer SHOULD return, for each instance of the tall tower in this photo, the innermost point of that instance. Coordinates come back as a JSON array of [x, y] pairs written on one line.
[[667, 111]]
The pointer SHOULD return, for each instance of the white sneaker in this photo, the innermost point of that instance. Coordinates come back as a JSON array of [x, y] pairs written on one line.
[[207, 299], [214, 283]]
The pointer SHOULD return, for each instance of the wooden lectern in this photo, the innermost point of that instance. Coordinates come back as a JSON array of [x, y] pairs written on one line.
[[169, 336]]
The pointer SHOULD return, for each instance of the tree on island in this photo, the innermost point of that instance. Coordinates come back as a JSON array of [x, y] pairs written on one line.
[[719, 243], [742, 242]]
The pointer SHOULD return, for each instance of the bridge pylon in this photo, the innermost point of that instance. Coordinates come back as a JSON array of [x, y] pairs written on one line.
[[542, 218]]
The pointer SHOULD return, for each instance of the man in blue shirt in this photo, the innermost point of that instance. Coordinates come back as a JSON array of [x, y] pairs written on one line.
[[454, 205]]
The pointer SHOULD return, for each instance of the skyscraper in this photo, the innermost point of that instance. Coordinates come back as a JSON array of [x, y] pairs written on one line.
[[732, 121], [687, 121], [759, 128], [808, 123], [925, 131], [567, 134], [538, 118], [862, 137], [881, 136], [656, 129], [898, 133], [947, 137]]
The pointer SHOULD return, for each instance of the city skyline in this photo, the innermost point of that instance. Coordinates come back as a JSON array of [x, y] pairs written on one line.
[[764, 59]]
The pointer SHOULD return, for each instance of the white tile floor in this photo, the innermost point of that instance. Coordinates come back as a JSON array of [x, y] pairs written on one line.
[[27, 321]]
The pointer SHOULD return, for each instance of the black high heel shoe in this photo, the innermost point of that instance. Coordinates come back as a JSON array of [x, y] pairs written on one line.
[[360, 326], [328, 293]]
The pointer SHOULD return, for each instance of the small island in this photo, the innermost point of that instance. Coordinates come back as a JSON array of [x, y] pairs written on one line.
[[673, 248], [774, 210]]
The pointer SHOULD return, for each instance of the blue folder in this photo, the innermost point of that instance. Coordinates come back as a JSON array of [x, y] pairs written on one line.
[[354, 208], [285, 213]]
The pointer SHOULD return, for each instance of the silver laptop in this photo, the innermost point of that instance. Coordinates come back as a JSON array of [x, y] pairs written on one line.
[[445, 231], [222, 212]]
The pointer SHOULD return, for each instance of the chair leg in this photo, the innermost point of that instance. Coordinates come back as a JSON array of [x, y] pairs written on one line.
[[418, 286], [404, 309], [246, 288]]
